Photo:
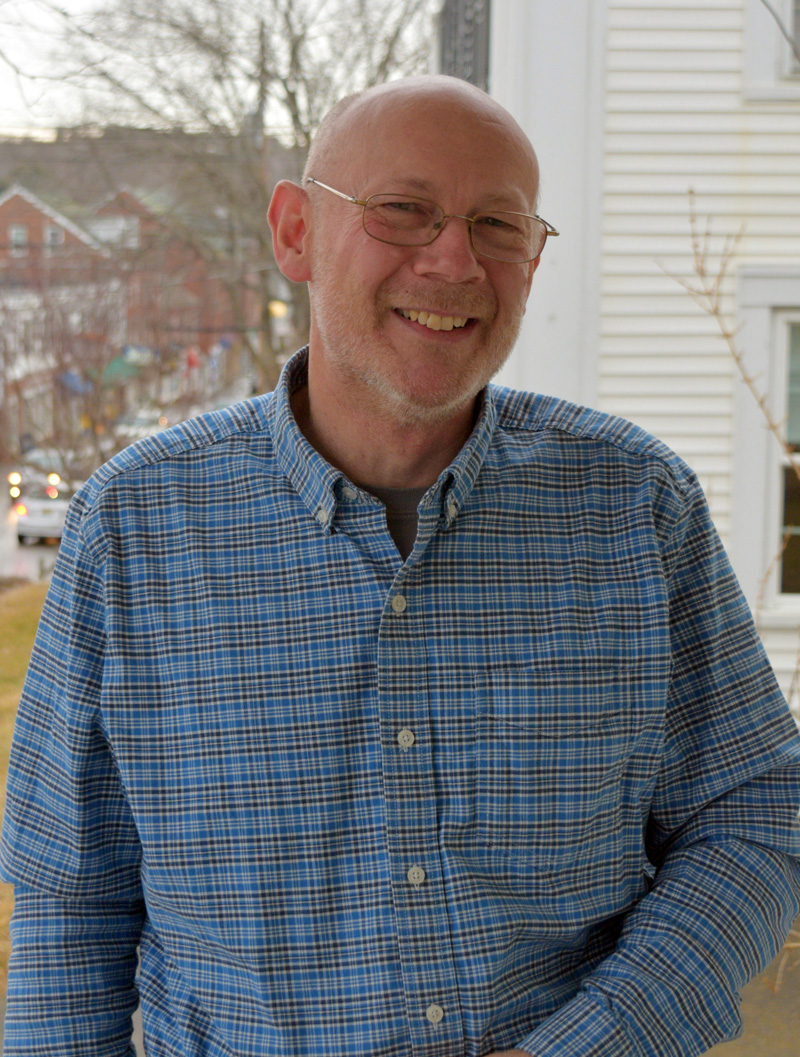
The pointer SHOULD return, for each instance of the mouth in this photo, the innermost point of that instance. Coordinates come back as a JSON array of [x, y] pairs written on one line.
[[434, 321]]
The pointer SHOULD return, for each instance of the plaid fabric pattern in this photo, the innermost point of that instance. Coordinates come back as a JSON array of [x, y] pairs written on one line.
[[535, 788]]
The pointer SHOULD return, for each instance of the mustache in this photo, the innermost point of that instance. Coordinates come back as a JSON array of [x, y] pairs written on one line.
[[444, 297]]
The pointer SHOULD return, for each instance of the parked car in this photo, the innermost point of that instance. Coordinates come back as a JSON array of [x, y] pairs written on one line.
[[40, 467], [41, 513], [39, 470]]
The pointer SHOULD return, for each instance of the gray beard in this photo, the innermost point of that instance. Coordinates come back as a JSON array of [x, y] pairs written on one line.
[[362, 367]]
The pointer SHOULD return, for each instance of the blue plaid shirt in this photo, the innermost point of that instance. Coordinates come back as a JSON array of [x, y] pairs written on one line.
[[535, 787]]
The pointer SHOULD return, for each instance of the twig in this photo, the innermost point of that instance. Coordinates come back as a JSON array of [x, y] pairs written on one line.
[[708, 295], [784, 32]]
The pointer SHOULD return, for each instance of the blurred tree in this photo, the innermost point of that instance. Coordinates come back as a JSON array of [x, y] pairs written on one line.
[[235, 88]]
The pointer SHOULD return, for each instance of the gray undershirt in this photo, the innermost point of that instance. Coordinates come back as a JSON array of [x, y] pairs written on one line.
[[401, 514]]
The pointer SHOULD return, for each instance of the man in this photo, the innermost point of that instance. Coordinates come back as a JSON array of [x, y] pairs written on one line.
[[491, 764]]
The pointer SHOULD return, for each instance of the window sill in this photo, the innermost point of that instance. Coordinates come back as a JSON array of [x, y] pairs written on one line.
[[776, 92]]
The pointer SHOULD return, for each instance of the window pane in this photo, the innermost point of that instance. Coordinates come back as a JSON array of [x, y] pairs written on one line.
[[790, 565], [18, 237], [793, 417]]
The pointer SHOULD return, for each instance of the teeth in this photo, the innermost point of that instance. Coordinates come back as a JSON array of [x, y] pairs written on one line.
[[434, 322]]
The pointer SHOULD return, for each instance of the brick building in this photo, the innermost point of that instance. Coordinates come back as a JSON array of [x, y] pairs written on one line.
[[103, 309]]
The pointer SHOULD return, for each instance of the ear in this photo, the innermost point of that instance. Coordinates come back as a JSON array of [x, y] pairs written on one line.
[[289, 219]]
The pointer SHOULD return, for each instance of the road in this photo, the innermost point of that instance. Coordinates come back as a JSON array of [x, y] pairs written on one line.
[[22, 562]]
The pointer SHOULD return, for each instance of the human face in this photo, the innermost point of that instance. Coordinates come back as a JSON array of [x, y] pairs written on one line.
[[364, 293]]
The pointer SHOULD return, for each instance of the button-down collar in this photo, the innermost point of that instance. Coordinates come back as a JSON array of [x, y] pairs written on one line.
[[322, 487]]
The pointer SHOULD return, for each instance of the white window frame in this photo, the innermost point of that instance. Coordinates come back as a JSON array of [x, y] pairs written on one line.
[[769, 301], [794, 20], [791, 65], [769, 71], [784, 320], [18, 246]]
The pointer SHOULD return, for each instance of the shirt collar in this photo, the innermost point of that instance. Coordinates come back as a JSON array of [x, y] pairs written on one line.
[[320, 485]]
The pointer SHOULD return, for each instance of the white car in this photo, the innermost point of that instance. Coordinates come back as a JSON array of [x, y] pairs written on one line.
[[53, 466], [41, 513]]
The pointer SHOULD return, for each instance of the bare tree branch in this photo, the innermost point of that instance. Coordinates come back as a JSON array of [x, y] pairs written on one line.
[[707, 293], [790, 40], [234, 72]]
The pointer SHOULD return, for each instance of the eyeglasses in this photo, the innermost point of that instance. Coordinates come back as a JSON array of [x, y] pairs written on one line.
[[403, 220]]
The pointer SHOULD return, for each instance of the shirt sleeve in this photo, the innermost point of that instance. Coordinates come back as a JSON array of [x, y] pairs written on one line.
[[69, 845], [722, 838]]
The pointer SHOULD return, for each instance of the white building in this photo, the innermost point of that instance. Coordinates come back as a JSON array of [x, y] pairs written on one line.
[[632, 105]]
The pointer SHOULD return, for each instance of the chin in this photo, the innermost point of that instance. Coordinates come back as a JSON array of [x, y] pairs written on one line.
[[414, 405], [427, 402]]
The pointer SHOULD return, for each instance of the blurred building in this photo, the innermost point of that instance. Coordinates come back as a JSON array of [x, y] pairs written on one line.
[[143, 260], [102, 310]]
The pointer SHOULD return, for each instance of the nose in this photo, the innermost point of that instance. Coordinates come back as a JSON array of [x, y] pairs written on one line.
[[450, 256]]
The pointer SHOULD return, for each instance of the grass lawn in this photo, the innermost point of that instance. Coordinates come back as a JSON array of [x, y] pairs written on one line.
[[20, 607]]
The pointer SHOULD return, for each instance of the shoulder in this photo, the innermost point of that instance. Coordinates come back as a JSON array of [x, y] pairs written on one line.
[[547, 426], [198, 464], [209, 438]]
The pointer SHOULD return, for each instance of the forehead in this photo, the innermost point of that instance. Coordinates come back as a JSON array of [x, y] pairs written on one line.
[[435, 145]]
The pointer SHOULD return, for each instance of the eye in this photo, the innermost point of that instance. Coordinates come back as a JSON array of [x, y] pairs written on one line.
[[396, 213], [407, 204], [404, 207], [406, 211], [498, 222]]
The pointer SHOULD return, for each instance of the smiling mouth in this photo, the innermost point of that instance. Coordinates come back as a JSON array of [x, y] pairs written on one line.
[[433, 321]]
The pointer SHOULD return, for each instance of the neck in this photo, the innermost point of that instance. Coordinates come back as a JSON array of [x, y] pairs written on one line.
[[371, 445]]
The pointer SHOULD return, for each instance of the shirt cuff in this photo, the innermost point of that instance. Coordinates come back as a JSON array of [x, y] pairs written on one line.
[[581, 1028]]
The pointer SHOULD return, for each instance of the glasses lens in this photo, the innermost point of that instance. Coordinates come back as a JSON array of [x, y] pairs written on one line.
[[401, 219], [510, 237]]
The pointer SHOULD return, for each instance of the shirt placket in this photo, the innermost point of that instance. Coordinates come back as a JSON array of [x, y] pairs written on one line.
[[427, 961]]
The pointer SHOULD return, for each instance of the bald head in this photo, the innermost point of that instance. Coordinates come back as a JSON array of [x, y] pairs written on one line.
[[352, 124]]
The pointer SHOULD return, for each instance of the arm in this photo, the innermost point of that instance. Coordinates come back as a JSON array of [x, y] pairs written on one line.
[[69, 844], [722, 833]]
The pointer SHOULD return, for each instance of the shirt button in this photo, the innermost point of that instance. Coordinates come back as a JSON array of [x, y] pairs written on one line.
[[321, 516], [434, 1014], [399, 603], [349, 493], [406, 738], [452, 509], [416, 875]]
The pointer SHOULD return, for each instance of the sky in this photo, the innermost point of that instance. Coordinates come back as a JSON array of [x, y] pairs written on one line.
[[27, 34]]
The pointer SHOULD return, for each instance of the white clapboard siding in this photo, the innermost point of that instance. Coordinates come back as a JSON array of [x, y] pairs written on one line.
[[677, 121]]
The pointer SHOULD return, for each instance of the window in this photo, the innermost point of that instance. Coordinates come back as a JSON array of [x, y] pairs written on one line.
[[764, 539], [53, 238], [18, 239], [771, 70], [790, 558]]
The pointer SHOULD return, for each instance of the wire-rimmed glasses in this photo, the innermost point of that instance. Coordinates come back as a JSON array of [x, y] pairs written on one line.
[[405, 220]]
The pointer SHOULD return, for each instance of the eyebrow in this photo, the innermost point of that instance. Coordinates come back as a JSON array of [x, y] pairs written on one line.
[[416, 183], [500, 199]]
